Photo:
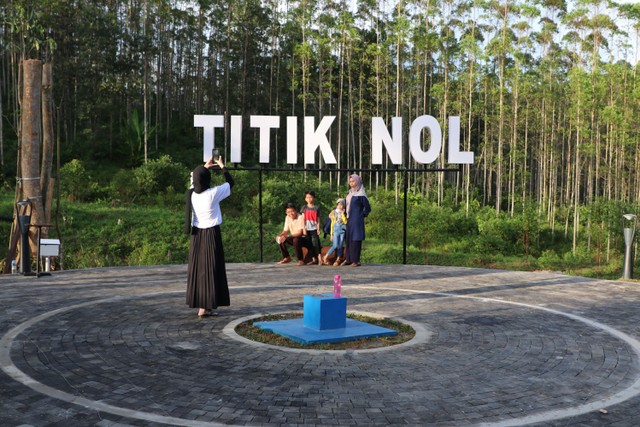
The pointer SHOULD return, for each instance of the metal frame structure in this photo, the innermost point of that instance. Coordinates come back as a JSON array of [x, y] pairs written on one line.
[[350, 171]]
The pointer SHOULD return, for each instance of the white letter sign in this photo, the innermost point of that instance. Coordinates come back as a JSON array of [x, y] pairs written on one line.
[[208, 123], [317, 138], [292, 140], [415, 134], [265, 123], [236, 139], [380, 136], [455, 155]]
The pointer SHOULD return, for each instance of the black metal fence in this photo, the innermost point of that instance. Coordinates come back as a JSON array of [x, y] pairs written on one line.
[[350, 171]]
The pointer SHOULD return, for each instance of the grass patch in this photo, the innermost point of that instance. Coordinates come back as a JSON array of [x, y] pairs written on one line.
[[113, 232], [253, 333]]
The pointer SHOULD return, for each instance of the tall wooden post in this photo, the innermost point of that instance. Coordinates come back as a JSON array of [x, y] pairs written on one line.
[[46, 183], [31, 138], [36, 130]]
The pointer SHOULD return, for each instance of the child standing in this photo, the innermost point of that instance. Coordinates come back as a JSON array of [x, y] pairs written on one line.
[[311, 214], [338, 231]]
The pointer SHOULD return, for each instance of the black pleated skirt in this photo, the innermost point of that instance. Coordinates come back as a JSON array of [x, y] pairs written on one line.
[[207, 275]]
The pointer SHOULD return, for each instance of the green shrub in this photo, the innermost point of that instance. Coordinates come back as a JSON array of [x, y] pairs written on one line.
[[550, 260], [429, 225], [157, 252], [75, 182], [385, 223], [579, 258], [121, 188], [501, 234], [381, 253], [272, 208], [529, 230], [237, 232], [244, 189], [148, 230], [160, 175], [97, 234]]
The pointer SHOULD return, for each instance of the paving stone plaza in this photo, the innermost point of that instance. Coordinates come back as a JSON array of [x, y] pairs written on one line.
[[118, 347]]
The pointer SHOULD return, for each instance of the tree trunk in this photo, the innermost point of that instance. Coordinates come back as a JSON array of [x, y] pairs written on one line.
[[30, 124], [1, 132], [47, 143]]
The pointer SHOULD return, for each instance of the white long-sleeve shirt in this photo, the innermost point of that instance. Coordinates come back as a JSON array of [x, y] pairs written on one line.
[[206, 206]]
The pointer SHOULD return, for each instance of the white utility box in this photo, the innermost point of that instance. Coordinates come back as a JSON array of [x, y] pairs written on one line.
[[49, 247]]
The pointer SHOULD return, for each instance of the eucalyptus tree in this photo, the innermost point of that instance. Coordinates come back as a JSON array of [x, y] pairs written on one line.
[[576, 90], [299, 19], [579, 91], [630, 105], [547, 184], [220, 56], [423, 41], [135, 28], [471, 53], [375, 63], [399, 32], [325, 57], [325, 34], [303, 51], [589, 25], [239, 79], [620, 156], [600, 26], [522, 65], [452, 27], [500, 49], [250, 28], [344, 39], [354, 51], [28, 42], [16, 44]]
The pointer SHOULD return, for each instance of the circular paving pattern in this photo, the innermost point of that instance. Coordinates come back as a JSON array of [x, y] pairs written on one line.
[[486, 361]]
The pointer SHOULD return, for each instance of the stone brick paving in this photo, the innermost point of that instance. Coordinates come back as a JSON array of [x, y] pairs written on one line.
[[118, 347]]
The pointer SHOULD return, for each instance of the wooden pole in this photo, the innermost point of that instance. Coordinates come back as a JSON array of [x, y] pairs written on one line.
[[31, 127], [46, 184]]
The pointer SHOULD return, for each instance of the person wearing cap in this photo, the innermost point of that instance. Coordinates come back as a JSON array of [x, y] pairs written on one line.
[[338, 229]]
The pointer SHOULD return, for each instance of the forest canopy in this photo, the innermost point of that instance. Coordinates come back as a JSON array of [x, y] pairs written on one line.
[[547, 91]]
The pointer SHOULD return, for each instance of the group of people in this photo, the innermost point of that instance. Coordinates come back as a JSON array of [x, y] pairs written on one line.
[[346, 225], [207, 287]]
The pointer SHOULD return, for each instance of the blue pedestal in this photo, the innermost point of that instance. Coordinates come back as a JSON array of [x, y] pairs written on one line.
[[324, 311], [324, 321]]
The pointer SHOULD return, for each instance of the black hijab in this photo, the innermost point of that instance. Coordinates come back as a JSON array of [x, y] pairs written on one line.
[[201, 179]]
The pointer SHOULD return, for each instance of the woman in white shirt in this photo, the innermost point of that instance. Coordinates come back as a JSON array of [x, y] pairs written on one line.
[[207, 287]]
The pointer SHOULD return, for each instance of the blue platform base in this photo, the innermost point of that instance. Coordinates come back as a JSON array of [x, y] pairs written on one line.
[[295, 330]]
